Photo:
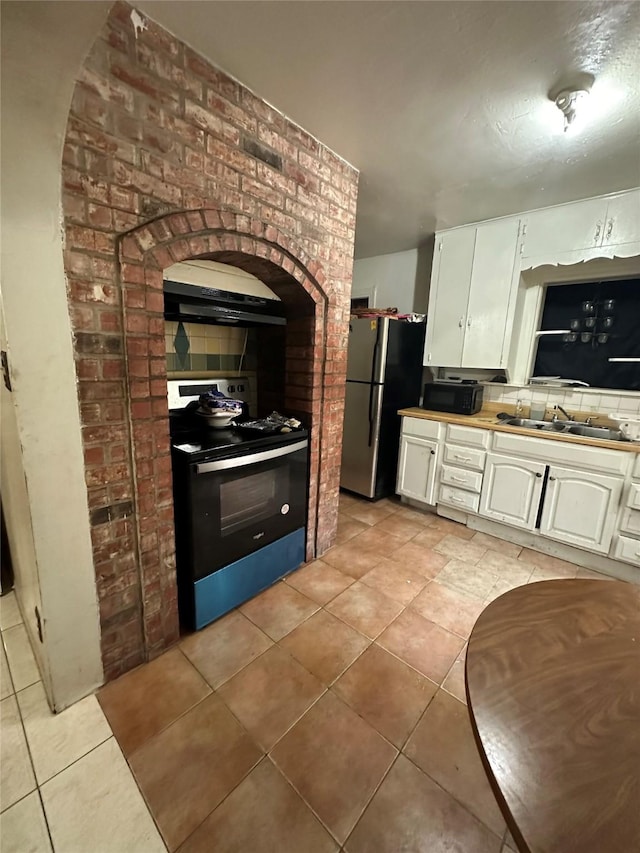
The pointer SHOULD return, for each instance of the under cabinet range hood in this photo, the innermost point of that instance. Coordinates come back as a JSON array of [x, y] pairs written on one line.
[[195, 304]]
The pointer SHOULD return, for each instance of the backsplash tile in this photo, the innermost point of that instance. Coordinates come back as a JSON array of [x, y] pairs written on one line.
[[602, 402], [197, 347]]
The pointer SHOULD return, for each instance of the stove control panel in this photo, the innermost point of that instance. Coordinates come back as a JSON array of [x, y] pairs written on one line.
[[180, 392]]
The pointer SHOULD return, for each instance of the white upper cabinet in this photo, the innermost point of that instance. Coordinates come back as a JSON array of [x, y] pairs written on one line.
[[555, 230], [595, 227], [491, 295], [472, 295], [448, 297], [476, 271], [622, 224]]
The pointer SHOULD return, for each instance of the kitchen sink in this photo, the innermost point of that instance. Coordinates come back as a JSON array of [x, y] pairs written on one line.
[[567, 428], [528, 423], [596, 432]]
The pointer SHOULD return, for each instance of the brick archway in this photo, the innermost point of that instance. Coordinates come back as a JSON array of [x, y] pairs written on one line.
[[314, 373], [167, 158]]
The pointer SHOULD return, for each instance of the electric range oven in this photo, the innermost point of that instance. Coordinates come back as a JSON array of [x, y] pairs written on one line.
[[240, 506]]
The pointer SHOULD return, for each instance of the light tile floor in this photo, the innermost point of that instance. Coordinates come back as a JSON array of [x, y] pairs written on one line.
[[328, 713], [64, 782]]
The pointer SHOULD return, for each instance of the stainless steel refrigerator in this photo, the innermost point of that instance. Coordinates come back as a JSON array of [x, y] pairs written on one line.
[[384, 374]]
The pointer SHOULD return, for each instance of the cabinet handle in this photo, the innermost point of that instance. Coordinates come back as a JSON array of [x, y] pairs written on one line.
[[461, 322], [609, 228], [538, 474], [432, 452], [596, 236], [458, 479], [469, 322], [461, 458], [457, 500], [552, 478]]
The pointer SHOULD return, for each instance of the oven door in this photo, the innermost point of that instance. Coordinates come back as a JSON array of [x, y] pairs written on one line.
[[238, 505]]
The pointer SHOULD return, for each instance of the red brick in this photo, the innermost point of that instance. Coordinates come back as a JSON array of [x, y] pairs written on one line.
[[123, 173], [88, 368], [94, 456], [109, 321], [141, 409]]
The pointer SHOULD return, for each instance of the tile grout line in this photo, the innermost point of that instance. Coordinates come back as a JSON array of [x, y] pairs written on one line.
[[141, 792], [33, 767], [454, 797], [46, 819], [370, 800], [24, 731], [4, 649], [76, 760], [262, 758]]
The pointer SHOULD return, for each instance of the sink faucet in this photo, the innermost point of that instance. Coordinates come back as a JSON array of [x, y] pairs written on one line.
[[566, 414]]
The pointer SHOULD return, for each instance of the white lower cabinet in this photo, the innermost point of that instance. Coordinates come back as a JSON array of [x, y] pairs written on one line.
[[627, 550], [458, 498], [580, 508], [528, 483], [417, 468], [511, 490]]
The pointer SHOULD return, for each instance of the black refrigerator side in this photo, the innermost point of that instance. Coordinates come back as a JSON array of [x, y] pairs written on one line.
[[402, 387]]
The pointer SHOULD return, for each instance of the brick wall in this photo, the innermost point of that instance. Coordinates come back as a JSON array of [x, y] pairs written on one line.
[[166, 158]]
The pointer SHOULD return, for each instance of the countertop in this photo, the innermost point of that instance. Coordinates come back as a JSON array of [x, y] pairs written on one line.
[[486, 419]]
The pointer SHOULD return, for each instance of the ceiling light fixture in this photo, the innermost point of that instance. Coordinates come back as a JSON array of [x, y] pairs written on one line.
[[568, 102], [570, 98]]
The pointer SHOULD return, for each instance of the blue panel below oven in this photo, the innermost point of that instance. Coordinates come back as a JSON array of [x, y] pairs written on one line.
[[227, 588]]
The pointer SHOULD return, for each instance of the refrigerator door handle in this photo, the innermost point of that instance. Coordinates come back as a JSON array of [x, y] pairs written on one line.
[[374, 357], [375, 405], [380, 351], [371, 387], [374, 366]]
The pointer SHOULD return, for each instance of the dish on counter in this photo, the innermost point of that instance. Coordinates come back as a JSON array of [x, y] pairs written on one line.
[[628, 426], [217, 420]]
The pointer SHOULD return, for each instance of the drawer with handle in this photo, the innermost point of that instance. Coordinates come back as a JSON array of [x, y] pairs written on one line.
[[633, 498], [468, 436], [460, 499], [421, 427], [627, 550], [461, 479], [467, 457], [630, 521]]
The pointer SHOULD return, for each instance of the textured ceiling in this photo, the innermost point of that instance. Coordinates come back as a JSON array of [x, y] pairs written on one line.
[[442, 106]]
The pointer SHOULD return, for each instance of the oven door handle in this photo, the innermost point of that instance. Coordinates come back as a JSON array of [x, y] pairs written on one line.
[[249, 459]]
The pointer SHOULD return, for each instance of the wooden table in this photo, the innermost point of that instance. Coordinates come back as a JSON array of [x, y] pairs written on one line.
[[553, 685]]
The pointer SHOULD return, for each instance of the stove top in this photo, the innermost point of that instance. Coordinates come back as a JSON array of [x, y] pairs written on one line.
[[196, 444]]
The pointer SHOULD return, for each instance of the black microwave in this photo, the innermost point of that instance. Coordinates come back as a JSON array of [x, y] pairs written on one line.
[[460, 398]]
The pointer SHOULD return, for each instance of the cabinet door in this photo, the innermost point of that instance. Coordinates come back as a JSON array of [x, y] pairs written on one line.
[[566, 228], [623, 219], [511, 490], [580, 508], [448, 298], [417, 468], [490, 296]]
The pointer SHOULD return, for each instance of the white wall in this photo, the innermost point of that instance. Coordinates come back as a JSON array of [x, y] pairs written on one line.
[[399, 280], [43, 45]]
